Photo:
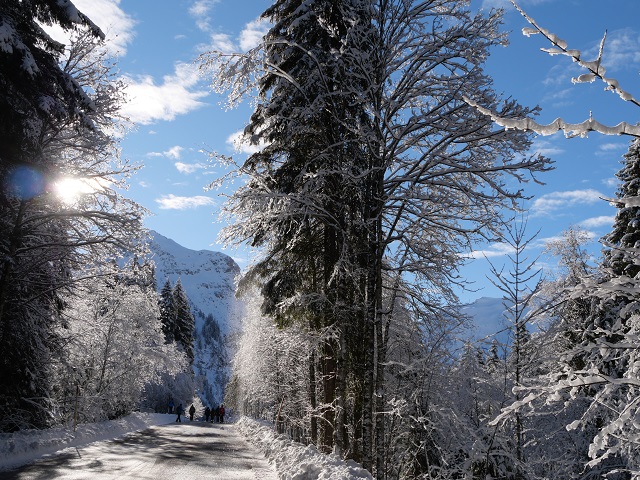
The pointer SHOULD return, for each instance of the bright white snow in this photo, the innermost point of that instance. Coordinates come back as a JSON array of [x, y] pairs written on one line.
[[291, 460], [294, 461]]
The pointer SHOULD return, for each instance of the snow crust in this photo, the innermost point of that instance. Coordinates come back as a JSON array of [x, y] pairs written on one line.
[[26, 446], [294, 461]]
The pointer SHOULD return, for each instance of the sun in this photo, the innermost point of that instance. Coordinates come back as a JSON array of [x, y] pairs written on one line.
[[69, 190]]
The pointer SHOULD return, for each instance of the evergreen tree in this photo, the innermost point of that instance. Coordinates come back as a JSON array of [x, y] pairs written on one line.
[[167, 312], [59, 111], [590, 380], [621, 245], [374, 168], [36, 92], [184, 321]]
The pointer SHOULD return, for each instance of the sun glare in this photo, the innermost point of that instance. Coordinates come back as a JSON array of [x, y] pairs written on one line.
[[69, 190]]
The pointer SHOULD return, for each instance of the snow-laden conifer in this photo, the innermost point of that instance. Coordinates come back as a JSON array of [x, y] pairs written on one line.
[[372, 166], [184, 320]]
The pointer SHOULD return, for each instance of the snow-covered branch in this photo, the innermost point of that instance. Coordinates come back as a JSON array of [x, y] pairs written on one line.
[[569, 129], [595, 70]]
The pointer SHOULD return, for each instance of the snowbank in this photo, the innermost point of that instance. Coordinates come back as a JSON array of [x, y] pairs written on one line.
[[294, 461], [26, 446]]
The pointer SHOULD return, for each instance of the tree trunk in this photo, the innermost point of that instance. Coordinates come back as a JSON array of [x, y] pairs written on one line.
[[10, 259], [329, 390], [313, 400]]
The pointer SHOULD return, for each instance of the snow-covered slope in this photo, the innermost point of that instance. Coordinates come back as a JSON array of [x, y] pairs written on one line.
[[208, 279], [488, 316]]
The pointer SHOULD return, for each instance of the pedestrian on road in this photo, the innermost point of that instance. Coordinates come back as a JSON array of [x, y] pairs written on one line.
[[222, 413], [207, 414], [171, 405], [216, 414], [192, 411], [179, 411]]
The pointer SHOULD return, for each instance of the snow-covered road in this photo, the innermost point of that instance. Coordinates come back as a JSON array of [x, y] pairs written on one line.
[[187, 451]]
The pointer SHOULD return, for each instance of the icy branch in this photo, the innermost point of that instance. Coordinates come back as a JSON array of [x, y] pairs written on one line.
[[569, 129], [595, 68]]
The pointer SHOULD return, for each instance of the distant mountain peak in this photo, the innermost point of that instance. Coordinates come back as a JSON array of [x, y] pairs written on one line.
[[209, 280]]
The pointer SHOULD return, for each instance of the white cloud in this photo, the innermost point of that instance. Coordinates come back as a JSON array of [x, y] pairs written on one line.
[[117, 26], [494, 250], [546, 148], [558, 76], [607, 147], [173, 152], [188, 167], [219, 42], [595, 222], [252, 34], [551, 202], [177, 95], [622, 50], [611, 182], [236, 141], [200, 11], [173, 202]]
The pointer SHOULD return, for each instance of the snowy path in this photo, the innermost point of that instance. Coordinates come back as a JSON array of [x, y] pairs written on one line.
[[190, 450]]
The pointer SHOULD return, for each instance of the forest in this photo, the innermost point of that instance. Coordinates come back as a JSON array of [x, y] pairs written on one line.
[[383, 161]]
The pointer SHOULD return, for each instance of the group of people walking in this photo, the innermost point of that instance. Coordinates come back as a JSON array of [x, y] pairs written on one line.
[[210, 414], [215, 415]]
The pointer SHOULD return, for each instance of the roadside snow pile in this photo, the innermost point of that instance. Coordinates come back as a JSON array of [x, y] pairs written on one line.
[[25, 446], [294, 461]]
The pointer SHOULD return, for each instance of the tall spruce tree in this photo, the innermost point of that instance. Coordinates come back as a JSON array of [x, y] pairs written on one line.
[[167, 312], [184, 321], [374, 168], [35, 90], [621, 245], [592, 376]]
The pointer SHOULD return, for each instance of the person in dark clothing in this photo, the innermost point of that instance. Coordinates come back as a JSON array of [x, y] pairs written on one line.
[[171, 406], [207, 414], [192, 411], [216, 414], [221, 413], [179, 411]]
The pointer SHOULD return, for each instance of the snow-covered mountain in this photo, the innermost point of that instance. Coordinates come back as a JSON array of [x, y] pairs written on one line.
[[208, 279], [488, 316]]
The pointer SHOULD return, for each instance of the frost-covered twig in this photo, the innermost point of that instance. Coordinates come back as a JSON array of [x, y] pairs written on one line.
[[595, 69]]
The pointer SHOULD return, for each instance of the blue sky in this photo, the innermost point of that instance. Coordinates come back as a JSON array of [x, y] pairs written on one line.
[[177, 116]]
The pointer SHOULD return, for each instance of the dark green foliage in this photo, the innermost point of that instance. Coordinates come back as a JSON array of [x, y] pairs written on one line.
[[167, 312], [184, 321], [178, 322], [210, 330], [35, 91]]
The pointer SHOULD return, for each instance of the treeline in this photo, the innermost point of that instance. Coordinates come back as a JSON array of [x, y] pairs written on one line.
[[80, 335], [374, 179]]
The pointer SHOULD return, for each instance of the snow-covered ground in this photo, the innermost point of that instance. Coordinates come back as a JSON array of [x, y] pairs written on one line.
[[292, 461], [26, 446]]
